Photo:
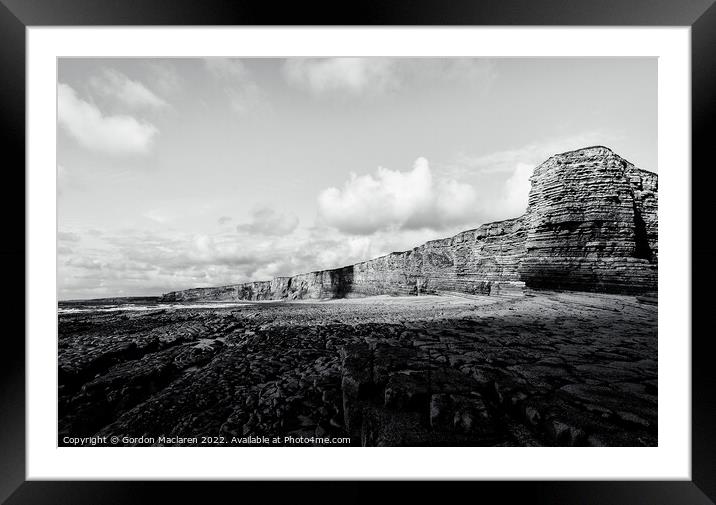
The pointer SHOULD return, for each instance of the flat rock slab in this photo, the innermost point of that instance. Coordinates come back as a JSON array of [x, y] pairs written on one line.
[[551, 368]]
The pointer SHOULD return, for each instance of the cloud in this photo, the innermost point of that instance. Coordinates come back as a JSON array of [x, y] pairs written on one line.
[[114, 84], [151, 262], [66, 236], [178, 252], [227, 68], [475, 71], [224, 219], [245, 98], [266, 221], [517, 189], [353, 75], [237, 81], [137, 262], [156, 215], [507, 172], [375, 76], [84, 263], [119, 134], [164, 77], [533, 153], [393, 200]]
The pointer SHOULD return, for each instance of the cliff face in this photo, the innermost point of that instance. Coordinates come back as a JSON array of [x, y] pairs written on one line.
[[591, 225], [480, 261]]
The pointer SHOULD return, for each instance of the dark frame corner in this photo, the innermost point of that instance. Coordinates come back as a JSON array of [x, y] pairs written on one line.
[[700, 15]]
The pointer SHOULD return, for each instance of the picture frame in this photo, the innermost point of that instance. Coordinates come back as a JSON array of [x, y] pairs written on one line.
[[17, 15]]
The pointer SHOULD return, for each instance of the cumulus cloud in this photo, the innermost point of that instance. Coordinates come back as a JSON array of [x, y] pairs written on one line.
[[237, 81], [374, 76], [392, 200], [266, 221], [114, 84], [118, 134]]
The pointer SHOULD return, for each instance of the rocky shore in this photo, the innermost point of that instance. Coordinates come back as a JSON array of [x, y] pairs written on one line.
[[545, 368]]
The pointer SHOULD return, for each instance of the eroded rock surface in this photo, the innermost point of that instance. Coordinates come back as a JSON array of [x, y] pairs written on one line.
[[546, 368]]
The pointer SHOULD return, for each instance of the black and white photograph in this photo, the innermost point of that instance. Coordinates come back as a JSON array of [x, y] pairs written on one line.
[[357, 251]]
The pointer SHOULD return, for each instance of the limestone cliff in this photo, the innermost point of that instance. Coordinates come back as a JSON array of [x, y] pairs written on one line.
[[591, 225]]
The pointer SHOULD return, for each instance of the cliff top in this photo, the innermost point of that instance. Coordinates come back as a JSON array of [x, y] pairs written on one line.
[[589, 150], [594, 151]]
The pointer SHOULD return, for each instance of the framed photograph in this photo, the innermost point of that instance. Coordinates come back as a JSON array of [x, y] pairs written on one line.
[[419, 244]]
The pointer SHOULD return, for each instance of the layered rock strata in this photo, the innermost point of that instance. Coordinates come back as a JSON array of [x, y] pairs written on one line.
[[591, 225]]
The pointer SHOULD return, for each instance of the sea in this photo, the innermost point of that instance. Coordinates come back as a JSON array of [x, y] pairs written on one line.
[[136, 305]]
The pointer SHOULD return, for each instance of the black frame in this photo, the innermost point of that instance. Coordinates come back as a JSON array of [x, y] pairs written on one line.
[[16, 15]]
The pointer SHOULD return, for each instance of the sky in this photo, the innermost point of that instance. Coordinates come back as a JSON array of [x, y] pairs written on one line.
[[180, 173]]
